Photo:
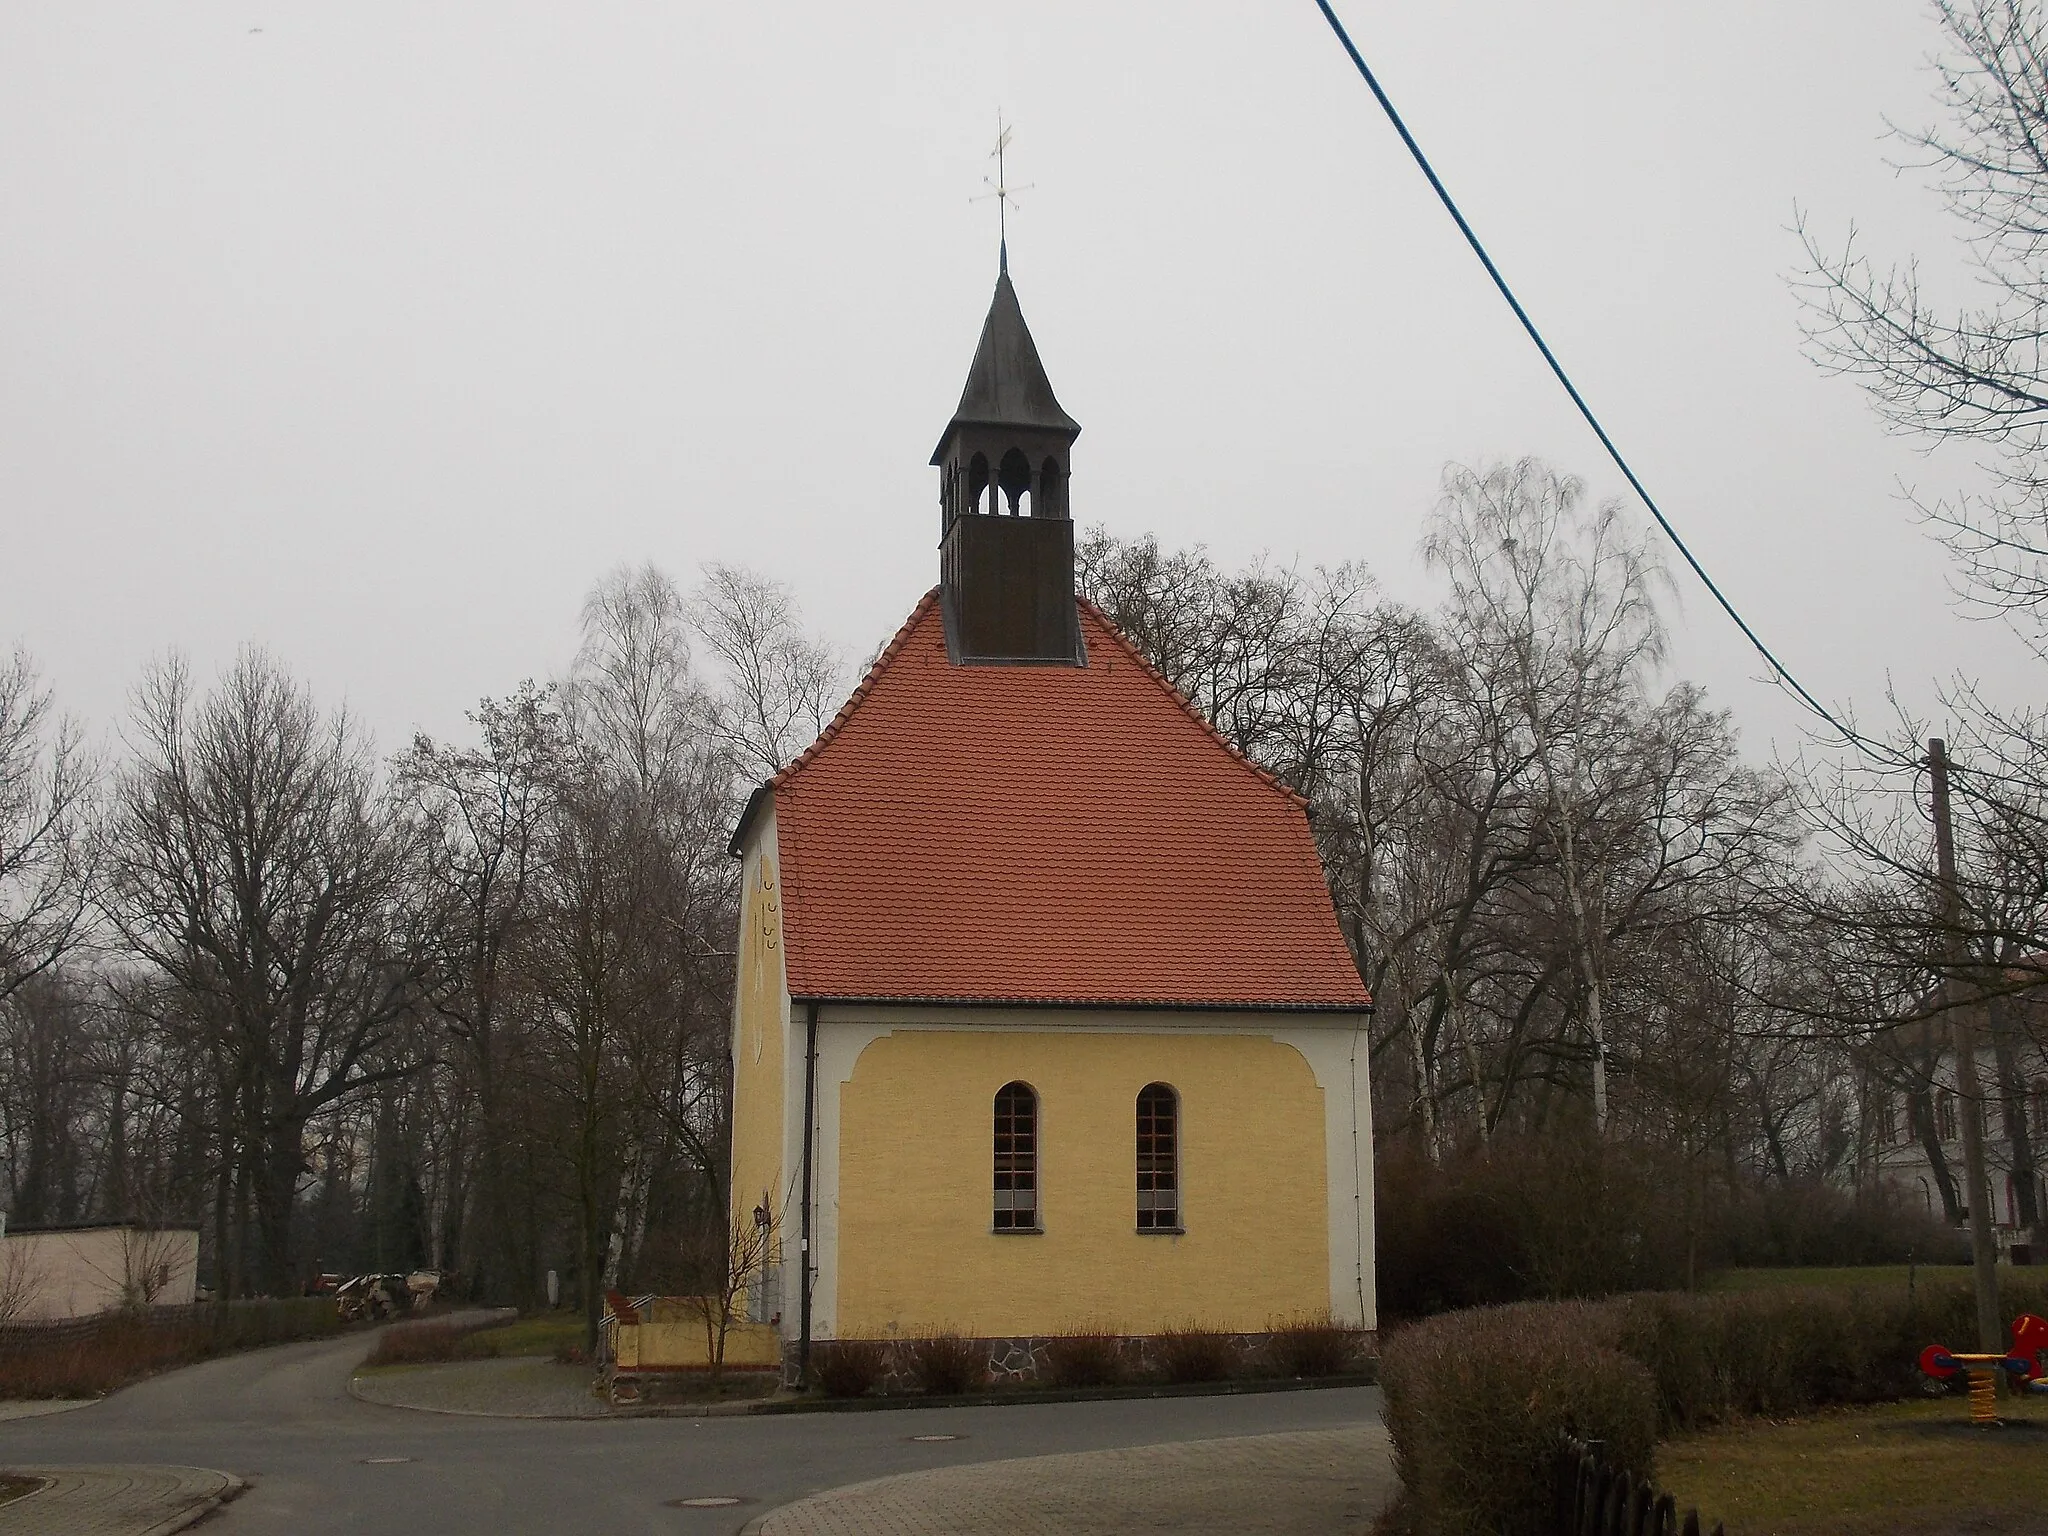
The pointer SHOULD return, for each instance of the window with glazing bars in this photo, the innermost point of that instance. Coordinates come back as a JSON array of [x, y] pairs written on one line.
[[1158, 1159], [1016, 1192]]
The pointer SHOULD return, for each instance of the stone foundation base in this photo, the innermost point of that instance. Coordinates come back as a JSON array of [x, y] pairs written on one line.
[[1024, 1360]]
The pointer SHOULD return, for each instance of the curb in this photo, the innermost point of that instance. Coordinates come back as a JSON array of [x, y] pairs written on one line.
[[478, 1413], [1022, 1397], [204, 1490], [26, 1408], [235, 1488], [1027, 1395]]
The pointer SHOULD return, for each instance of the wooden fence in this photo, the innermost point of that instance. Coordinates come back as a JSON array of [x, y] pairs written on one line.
[[1595, 1499]]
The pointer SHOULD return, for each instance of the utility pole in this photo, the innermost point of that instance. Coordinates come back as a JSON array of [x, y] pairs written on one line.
[[1963, 1042]]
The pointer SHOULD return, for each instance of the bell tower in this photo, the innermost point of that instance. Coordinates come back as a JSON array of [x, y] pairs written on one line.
[[1006, 541]]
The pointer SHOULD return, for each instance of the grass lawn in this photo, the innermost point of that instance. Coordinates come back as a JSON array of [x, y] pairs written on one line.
[[1874, 1277], [1903, 1469], [539, 1335]]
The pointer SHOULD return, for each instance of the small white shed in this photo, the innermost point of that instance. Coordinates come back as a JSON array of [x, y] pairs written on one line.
[[51, 1273]]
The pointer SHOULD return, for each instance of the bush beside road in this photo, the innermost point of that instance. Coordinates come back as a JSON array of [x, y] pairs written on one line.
[[95, 1356], [1474, 1398]]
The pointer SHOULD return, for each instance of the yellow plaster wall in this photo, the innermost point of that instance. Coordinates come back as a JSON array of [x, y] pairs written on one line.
[[914, 1241], [685, 1345], [760, 1025]]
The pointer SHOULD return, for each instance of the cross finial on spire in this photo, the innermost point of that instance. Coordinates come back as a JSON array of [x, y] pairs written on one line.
[[1001, 190]]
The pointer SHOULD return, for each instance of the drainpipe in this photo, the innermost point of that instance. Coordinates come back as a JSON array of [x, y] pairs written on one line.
[[803, 1346]]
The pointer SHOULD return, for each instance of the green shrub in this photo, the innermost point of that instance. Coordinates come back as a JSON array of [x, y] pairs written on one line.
[[1794, 1349], [1084, 1360], [1185, 1355], [1478, 1402], [1313, 1346], [945, 1363], [849, 1367]]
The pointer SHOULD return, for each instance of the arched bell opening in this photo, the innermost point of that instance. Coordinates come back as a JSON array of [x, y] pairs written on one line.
[[977, 484], [1050, 500], [1014, 477]]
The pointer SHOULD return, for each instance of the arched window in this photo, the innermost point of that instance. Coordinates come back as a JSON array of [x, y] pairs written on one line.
[[1016, 1147], [1916, 1114], [977, 483], [1158, 1159], [1051, 498], [1945, 1116], [1013, 475], [1886, 1130], [2040, 1108]]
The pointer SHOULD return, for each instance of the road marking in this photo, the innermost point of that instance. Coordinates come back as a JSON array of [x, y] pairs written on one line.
[[934, 1439], [707, 1501], [385, 1461]]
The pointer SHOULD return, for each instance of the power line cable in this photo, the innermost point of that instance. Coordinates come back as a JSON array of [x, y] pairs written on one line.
[[1784, 673]]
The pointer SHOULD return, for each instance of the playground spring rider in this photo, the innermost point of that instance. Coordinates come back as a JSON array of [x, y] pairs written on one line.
[[2027, 1365]]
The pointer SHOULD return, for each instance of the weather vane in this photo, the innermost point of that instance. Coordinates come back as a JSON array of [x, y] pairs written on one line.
[[1000, 189]]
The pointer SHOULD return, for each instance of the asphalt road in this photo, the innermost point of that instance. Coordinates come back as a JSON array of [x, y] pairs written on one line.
[[320, 1462]]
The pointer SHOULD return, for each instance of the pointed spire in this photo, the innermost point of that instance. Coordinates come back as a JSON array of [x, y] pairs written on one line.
[[1006, 383]]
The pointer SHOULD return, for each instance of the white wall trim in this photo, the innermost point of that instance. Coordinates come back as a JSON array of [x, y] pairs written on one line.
[[1339, 1062]]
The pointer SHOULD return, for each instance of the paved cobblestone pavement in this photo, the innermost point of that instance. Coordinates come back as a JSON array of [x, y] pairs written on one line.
[[113, 1501], [1324, 1482]]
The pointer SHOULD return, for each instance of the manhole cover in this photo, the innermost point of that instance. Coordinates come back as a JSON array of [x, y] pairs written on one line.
[[707, 1501], [933, 1439], [385, 1461]]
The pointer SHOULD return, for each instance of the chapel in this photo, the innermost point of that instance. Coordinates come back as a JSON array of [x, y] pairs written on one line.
[[1043, 1021]]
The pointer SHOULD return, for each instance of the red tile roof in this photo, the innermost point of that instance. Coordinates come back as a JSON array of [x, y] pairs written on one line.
[[1046, 834]]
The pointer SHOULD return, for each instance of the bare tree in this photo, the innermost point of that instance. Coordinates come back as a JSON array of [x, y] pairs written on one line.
[[751, 1240], [1532, 852], [47, 1097], [633, 961], [631, 696], [22, 1275], [481, 812], [1970, 370], [254, 867], [1563, 598], [47, 780], [781, 686]]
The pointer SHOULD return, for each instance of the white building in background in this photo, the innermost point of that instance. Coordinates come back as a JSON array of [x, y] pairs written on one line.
[[1919, 1141], [53, 1273]]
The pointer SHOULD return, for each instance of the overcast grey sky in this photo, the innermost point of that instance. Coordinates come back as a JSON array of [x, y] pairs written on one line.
[[374, 333]]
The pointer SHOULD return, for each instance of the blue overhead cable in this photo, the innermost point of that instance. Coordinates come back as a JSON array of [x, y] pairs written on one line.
[[1784, 673]]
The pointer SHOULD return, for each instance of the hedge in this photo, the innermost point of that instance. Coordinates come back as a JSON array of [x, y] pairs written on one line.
[[1477, 1401], [91, 1356]]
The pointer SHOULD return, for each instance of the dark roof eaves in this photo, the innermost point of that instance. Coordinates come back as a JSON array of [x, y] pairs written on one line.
[[736, 845]]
